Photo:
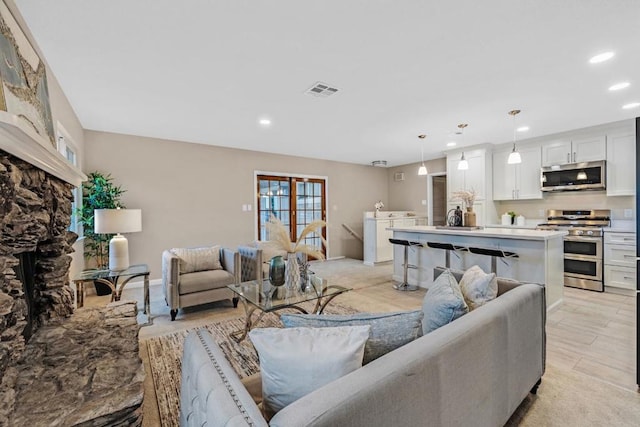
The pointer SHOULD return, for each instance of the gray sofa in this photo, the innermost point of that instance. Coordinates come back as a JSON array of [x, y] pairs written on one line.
[[473, 371]]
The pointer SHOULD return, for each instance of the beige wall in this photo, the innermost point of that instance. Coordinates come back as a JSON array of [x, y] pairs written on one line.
[[408, 195], [62, 113], [192, 194]]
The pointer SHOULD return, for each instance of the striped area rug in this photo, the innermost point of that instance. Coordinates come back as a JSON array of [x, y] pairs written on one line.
[[165, 357]]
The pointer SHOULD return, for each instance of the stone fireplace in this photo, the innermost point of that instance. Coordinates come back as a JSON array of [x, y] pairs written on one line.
[[56, 366], [35, 212]]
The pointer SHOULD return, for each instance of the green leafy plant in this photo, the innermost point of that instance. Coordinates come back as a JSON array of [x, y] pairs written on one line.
[[98, 192]]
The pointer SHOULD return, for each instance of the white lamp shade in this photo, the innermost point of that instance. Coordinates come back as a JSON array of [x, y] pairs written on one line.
[[111, 221], [422, 170], [463, 165], [514, 158]]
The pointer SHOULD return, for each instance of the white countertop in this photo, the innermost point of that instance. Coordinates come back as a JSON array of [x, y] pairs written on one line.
[[514, 226], [621, 226], [498, 233]]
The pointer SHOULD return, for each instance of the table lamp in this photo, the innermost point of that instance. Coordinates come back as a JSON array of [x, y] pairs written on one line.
[[109, 221]]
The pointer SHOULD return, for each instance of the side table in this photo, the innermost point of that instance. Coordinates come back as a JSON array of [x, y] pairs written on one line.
[[111, 279]]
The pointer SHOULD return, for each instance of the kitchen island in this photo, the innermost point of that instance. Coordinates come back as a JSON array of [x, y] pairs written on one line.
[[540, 254]]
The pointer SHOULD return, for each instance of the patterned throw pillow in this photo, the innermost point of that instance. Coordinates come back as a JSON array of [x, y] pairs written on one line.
[[296, 361], [443, 303], [388, 330], [478, 287], [198, 259]]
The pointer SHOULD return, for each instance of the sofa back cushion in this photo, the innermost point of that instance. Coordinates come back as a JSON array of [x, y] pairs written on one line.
[[388, 330], [296, 361], [198, 259], [443, 303]]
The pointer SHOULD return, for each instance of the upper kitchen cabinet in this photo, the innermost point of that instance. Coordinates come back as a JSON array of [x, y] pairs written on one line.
[[574, 150], [478, 177], [520, 181], [621, 163], [472, 178]]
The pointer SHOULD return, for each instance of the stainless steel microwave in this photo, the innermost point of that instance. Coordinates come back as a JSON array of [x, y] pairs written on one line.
[[574, 176]]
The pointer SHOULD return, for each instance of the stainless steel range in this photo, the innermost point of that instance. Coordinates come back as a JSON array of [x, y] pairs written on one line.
[[583, 247]]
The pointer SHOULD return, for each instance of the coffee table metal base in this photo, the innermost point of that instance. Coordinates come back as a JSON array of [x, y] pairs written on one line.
[[250, 309]]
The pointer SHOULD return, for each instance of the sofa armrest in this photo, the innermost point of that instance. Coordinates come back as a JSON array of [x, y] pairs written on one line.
[[211, 393], [230, 261], [170, 278], [250, 263]]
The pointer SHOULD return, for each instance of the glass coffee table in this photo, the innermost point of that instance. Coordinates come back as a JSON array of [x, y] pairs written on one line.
[[262, 296]]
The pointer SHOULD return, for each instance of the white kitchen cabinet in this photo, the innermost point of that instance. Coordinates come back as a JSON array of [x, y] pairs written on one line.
[[620, 238], [620, 277], [620, 260], [478, 177], [377, 247], [520, 181], [621, 163], [474, 177], [621, 255], [574, 150]]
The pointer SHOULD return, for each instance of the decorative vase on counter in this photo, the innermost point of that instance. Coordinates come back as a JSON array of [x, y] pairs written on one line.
[[469, 218], [292, 273], [276, 271]]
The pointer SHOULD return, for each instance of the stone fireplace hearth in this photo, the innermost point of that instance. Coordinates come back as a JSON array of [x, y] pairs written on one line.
[[35, 212]]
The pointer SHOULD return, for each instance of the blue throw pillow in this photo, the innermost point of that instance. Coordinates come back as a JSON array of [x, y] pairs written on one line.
[[443, 303], [388, 330]]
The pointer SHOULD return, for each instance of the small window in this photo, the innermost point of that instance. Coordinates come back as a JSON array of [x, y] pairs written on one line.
[[66, 148]]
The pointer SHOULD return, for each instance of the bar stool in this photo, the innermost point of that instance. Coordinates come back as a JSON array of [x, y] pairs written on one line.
[[448, 247], [494, 254], [405, 286]]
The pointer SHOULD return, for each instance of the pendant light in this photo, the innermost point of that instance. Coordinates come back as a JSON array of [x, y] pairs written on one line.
[[463, 164], [514, 156], [422, 170]]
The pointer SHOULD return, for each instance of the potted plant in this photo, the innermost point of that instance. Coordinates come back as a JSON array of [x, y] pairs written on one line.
[[98, 192]]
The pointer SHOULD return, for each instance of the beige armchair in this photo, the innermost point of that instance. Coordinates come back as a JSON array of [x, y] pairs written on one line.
[[194, 276]]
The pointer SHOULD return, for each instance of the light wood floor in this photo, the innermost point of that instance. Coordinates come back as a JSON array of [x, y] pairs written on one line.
[[590, 333]]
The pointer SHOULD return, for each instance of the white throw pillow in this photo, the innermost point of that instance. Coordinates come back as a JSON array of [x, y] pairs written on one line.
[[443, 303], [478, 287], [296, 361], [198, 259]]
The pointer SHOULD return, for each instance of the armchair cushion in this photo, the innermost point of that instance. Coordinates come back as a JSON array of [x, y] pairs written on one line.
[[198, 259], [205, 280]]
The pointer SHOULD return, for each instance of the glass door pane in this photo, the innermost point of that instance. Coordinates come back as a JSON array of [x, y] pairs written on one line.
[[295, 201]]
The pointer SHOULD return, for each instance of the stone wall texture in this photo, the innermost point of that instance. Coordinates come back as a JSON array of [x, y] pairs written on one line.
[[35, 213]]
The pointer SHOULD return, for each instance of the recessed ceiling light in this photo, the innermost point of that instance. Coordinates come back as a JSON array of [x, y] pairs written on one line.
[[601, 57], [618, 86], [264, 122], [451, 144], [631, 105], [523, 128]]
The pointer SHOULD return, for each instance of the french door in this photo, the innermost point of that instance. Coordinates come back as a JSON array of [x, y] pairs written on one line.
[[295, 201]]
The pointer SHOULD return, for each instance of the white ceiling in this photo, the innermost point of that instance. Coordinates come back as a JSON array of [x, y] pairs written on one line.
[[206, 71]]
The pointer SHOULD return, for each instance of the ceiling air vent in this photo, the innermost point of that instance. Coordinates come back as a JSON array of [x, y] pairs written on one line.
[[321, 90], [379, 163]]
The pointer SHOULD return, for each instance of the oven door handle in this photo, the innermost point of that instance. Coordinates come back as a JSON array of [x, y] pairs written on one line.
[[583, 239]]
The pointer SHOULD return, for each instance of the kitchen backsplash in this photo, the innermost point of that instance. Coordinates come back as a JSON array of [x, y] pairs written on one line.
[[569, 200]]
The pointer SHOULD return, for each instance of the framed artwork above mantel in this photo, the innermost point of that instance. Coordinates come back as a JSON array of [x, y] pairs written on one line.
[[23, 79]]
